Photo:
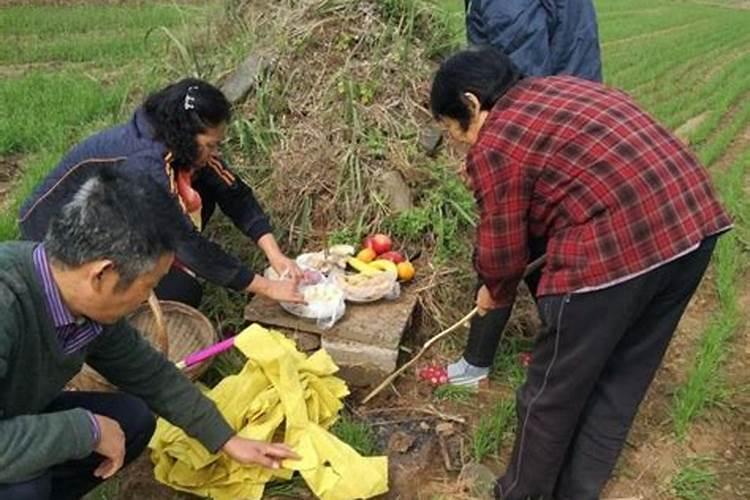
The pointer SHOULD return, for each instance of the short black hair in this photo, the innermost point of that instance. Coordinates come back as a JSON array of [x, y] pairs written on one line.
[[484, 71], [115, 215], [182, 110]]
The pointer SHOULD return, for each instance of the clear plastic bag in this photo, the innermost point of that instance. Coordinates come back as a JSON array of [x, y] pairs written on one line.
[[325, 301]]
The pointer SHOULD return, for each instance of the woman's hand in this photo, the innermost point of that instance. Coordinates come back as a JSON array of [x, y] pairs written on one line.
[[286, 290], [286, 267], [279, 262], [485, 302], [250, 452]]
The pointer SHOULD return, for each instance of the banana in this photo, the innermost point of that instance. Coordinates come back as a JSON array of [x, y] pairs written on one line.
[[385, 265], [363, 267]]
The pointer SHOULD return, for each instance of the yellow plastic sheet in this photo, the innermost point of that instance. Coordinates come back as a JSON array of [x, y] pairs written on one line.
[[279, 388]]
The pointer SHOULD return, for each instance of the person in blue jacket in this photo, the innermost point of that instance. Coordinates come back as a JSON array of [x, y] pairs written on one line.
[[173, 139], [541, 37]]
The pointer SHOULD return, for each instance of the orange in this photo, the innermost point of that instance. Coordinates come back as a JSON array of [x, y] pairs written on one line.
[[367, 255], [406, 271]]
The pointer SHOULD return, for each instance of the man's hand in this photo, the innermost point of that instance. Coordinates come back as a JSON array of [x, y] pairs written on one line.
[[286, 267], [247, 451], [111, 446], [485, 302], [278, 290]]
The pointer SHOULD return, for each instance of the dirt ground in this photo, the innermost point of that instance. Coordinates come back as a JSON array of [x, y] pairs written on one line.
[[10, 167]]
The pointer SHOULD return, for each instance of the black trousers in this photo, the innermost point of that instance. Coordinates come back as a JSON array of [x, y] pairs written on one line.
[[179, 286], [590, 369], [73, 479]]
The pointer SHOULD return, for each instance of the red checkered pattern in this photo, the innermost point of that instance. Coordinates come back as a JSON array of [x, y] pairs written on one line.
[[577, 163]]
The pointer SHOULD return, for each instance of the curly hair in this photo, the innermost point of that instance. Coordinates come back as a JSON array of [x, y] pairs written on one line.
[[183, 110]]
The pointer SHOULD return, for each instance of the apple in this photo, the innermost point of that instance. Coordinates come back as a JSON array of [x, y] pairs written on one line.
[[378, 242], [394, 257]]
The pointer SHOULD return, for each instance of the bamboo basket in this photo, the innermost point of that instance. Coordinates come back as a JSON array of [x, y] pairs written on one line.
[[173, 328]]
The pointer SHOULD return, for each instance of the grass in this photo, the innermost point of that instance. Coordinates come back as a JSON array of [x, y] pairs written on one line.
[[358, 434], [291, 489], [76, 101], [704, 384], [454, 393], [695, 481], [75, 70], [507, 367], [489, 432], [445, 211]]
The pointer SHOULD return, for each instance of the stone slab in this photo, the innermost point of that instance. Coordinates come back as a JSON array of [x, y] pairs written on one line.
[[361, 364], [430, 139], [244, 78], [380, 324], [397, 191]]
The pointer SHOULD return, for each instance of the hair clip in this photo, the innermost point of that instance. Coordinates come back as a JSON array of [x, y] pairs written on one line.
[[190, 100]]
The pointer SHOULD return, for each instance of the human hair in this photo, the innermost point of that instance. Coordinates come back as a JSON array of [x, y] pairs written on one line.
[[182, 110], [484, 71], [115, 216]]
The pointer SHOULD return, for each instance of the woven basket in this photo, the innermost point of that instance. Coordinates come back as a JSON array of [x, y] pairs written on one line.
[[173, 328]]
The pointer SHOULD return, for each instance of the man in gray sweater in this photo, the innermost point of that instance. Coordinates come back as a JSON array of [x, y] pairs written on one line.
[[63, 302]]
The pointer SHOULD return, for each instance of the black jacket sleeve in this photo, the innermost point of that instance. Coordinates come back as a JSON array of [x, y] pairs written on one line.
[[236, 199], [210, 261]]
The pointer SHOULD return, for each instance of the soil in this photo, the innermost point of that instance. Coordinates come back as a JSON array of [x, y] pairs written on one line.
[[10, 167]]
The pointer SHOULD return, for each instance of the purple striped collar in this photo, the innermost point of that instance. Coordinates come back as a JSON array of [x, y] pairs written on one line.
[[73, 333]]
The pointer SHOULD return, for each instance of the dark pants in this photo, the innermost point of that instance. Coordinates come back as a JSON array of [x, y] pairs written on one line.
[[179, 286], [73, 479], [590, 369]]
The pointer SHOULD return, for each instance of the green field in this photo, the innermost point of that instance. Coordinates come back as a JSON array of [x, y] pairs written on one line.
[[67, 71]]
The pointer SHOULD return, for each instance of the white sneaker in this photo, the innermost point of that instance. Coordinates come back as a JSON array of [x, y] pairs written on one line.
[[462, 373]]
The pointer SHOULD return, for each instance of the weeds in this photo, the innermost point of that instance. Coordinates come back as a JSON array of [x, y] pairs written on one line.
[[224, 365], [454, 393], [695, 481], [491, 429], [357, 434], [507, 367], [445, 214]]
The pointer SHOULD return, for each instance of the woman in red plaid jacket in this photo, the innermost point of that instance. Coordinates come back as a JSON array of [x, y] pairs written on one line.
[[630, 220]]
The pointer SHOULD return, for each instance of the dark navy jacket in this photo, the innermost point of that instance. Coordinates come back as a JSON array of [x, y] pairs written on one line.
[[542, 37], [132, 146]]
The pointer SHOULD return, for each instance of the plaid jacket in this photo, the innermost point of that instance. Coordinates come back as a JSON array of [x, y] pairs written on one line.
[[613, 192]]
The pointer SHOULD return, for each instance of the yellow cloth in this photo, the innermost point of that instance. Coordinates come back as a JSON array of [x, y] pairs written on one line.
[[279, 386]]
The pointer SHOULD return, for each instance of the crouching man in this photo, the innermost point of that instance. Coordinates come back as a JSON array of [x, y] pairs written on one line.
[[63, 302]]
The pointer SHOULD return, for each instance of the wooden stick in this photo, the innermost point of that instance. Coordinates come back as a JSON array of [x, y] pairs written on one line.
[[533, 266]]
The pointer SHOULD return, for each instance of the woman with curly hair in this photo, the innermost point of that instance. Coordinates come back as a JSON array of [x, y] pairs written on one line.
[[174, 139]]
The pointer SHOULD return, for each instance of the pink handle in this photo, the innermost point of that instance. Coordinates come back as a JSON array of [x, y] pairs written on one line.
[[208, 352]]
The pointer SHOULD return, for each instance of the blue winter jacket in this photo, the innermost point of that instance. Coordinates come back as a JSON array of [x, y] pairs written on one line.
[[133, 146], [542, 37]]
